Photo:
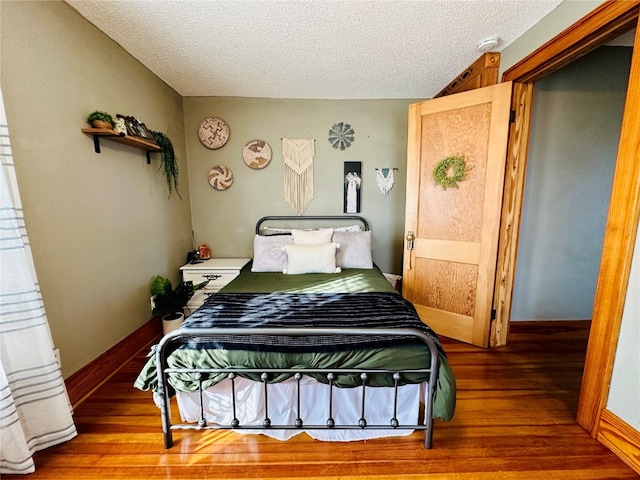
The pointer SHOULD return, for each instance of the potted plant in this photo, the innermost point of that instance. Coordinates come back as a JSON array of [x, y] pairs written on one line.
[[99, 119], [169, 161], [169, 303]]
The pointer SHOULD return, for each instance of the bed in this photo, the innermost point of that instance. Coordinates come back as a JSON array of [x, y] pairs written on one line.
[[310, 337]]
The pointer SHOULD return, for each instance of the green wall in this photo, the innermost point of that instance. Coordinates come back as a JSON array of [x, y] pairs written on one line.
[[623, 395], [226, 219], [625, 379], [575, 128], [100, 225], [563, 16]]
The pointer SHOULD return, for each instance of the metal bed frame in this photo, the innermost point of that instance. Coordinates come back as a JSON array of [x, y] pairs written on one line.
[[340, 218], [179, 337]]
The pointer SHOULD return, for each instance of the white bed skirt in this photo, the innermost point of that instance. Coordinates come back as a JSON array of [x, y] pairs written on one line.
[[314, 408]]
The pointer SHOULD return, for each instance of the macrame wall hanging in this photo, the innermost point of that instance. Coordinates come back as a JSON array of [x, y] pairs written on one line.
[[385, 179], [298, 156]]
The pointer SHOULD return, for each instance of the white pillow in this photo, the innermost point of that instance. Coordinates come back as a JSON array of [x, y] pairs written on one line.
[[355, 249], [312, 237], [350, 228], [267, 253], [275, 231], [287, 231], [311, 259]]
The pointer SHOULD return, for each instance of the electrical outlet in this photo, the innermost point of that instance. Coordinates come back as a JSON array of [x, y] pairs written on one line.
[[56, 353]]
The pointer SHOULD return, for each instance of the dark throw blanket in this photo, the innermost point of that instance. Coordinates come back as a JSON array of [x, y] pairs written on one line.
[[309, 310]]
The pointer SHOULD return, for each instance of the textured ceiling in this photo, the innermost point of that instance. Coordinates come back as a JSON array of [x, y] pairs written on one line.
[[321, 49]]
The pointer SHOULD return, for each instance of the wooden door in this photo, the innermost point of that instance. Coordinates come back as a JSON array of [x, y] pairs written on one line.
[[449, 267]]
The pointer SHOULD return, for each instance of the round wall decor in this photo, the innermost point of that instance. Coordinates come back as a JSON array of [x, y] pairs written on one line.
[[213, 132], [257, 154], [341, 135], [220, 177]]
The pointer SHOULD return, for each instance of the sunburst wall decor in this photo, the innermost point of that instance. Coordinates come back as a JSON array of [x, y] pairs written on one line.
[[341, 135]]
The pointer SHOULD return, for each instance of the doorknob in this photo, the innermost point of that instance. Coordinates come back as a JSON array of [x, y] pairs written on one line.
[[410, 237]]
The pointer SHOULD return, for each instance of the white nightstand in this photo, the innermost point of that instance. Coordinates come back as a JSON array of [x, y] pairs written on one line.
[[219, 272]]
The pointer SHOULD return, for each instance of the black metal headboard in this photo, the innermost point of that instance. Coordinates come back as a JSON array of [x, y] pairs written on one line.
[[295, 218]]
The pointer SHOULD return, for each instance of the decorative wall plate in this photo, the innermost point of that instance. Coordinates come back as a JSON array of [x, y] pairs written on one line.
[[213, 132], [341, 135], [257, 154], [220, 177]]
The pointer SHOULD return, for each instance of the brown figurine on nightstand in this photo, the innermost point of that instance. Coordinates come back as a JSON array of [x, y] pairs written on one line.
[[204, 251]]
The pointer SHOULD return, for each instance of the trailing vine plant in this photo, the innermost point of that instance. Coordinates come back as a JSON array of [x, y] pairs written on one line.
[[449, 171], [169, 163]]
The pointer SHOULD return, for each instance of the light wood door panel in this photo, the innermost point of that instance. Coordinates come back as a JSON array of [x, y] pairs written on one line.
[[449, 273]]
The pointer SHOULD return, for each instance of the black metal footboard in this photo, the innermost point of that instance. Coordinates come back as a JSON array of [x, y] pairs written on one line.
[[182, 336]]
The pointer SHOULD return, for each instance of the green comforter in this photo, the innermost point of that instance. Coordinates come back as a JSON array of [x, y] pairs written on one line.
[[400, 357]]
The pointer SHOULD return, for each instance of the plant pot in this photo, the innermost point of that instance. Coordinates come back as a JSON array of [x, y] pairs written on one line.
[[171, 321], [101, 124]]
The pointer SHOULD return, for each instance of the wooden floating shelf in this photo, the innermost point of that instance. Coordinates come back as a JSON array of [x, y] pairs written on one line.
[[115, 136]]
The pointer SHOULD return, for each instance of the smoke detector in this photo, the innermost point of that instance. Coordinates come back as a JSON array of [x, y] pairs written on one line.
[[488, 44]]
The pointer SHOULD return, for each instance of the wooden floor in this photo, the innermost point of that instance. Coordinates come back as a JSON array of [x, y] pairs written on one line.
[[514, 420]]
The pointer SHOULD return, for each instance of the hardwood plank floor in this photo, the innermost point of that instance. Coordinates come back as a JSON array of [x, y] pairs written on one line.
[[514, 420]]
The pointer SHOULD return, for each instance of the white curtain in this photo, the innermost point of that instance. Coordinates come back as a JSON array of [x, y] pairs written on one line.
[[35, 412]]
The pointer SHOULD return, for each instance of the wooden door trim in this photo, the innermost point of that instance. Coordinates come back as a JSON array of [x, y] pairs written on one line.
[[617, 254], [412, 187], [621, 438], [481, 73], [512, 201], [602, 24], [493, 216]]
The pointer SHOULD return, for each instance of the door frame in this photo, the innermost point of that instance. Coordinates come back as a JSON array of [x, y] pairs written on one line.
[[604, 23]]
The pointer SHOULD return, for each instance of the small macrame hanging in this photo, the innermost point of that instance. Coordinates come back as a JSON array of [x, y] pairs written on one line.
[[385, 180], [298, 156]]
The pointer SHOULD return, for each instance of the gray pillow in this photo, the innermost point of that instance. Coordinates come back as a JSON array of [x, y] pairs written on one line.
[[267, 253], [355, 249]]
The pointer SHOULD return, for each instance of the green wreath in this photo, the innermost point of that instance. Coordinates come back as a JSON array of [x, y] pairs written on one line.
[[449, 171]]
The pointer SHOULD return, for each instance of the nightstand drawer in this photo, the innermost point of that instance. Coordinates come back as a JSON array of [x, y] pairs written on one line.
[[219, 272], [217, 279], [198, 299]]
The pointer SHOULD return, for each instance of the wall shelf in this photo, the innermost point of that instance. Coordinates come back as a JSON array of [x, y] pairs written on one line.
[[115, 136]]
